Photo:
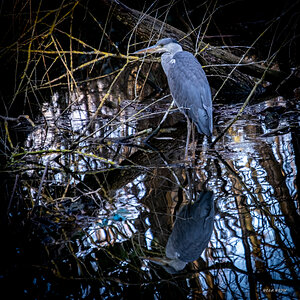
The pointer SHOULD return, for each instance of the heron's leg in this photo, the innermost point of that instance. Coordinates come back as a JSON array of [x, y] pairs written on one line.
[[194, 142], [188, 137], [156, 130]]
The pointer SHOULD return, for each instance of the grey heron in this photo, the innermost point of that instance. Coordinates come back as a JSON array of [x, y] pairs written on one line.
[[187, 82]]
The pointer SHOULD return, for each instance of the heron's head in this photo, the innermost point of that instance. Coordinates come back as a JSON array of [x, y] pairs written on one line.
[[172, 266], [164, 45]]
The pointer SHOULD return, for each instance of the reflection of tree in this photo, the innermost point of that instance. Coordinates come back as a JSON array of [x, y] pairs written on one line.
[[287, 252], [295, 133], [249, 234], [259, 225], [161, 200], [277, 179]]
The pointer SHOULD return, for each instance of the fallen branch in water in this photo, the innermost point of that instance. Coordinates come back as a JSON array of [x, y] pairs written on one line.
[[150, 28]]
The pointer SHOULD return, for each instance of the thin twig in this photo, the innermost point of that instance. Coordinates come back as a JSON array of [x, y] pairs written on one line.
[[41, 184]]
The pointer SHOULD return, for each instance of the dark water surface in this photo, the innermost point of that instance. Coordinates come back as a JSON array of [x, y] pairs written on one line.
[[93, 221]]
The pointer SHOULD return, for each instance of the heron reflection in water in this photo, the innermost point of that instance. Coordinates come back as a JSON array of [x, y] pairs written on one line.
[[187, 82], [190, 235]]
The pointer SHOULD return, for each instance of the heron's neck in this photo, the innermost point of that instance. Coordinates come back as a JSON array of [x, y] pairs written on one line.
[[167, 57], [174, 49]]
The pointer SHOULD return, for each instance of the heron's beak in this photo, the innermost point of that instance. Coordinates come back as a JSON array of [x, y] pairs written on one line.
[[151, 49]]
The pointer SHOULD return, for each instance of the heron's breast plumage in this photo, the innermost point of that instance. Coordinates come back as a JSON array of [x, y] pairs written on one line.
[[189, 87]]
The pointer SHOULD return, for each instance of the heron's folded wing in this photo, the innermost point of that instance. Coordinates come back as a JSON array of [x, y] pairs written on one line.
[[190, 90]]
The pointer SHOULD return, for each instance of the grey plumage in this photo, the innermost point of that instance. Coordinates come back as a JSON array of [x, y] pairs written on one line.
[[187, 82]]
